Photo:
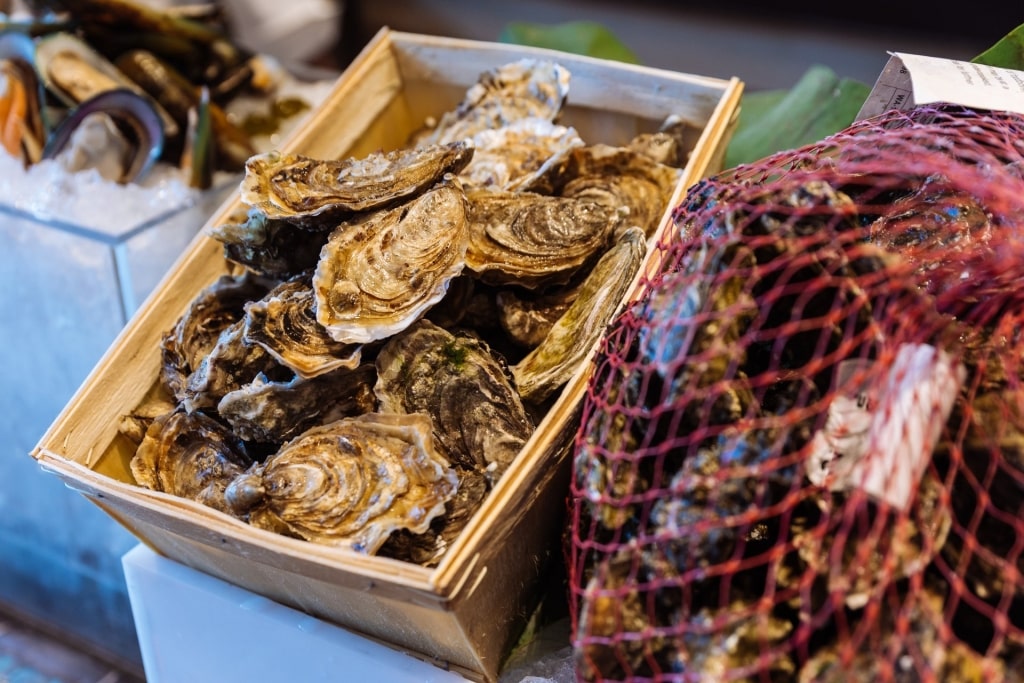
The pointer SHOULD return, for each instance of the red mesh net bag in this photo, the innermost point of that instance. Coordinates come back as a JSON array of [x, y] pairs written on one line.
[[801, 454]]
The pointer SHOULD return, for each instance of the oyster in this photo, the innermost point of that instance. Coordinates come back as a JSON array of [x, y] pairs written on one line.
[[706, 645], [913, 646], [300, 189], [284, 323], [568, 344], [196, 332], [230, 364], [428, 548], [189, 455], [527, 88], [534, 240], [378, 275], [527, 320], [275, 248], [622, 180], [349, 483], [273, 412], [477, 417], [516, 156]]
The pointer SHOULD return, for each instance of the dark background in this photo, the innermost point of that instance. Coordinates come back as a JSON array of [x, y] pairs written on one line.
[[768, 45]]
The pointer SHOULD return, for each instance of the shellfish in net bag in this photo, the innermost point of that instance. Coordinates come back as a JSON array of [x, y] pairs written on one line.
[[801, 453]]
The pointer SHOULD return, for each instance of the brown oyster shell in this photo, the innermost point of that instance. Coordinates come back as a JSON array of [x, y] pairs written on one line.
[[429, 547], [269, 411], [622, 179], [547, 367], [298, 188], [350, 483], [284, 323], [196, 332], [379, 275], [527, 88], [478, 419], [533, 240], [527, 320], [230, 364], [191, 456]]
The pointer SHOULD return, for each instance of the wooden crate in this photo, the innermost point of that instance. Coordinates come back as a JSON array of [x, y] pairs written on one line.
[[467, 612]]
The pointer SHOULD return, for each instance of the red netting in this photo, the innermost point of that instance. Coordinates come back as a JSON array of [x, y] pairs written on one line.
[[801, 455]]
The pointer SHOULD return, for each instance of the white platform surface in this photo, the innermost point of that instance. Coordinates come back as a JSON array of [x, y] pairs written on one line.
[[195, 628]]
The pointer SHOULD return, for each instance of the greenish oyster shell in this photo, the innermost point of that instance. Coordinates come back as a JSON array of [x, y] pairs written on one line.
[[284, 323], [349, 483], [378, 275], [477, 416], [190, 455], [549, 366], [533, 240], [302, 189]]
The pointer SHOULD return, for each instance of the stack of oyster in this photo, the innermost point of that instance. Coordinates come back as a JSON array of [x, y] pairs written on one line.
[[396, 326]]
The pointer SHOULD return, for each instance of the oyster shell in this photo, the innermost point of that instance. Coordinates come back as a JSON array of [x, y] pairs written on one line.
[[196, 332], [230, 364], [527, 320], [284, 324], [350, 483], [516, 156], [567, 345], [378, 275], [533, 240], [300, 189], [428, 548], [527, 88], [274, 248], [189, 455], [623, 180], [477, 417], [915, 649], [268, 411]]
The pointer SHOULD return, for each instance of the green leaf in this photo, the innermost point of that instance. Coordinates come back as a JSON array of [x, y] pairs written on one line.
[[819, 105], [578, 37], [1008, 52]]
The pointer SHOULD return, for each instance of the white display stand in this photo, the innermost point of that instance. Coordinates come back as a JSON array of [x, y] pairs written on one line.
[[195, 627]]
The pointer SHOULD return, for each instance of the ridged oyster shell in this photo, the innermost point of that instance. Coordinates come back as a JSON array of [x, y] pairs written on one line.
[[198, 329], [533, 240], [273, 412], [622, 179], [379, 275], [527, 88], [477, 416], [299, 188], [284, 323], [189, 455], [547, 367], [350, 483], [516, 156]]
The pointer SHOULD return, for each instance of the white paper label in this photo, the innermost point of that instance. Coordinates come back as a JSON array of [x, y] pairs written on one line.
[[910, 80], [880, 439]]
